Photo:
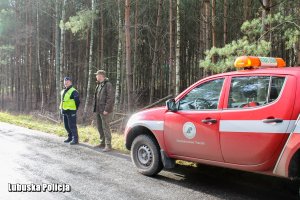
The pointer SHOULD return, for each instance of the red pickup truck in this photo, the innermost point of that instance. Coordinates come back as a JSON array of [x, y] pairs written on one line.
[[247, 120]]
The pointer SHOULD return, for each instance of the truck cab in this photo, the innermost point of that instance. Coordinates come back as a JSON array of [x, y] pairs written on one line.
[[246, 120]]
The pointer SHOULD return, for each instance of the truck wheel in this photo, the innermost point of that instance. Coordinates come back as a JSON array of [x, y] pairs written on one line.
[[145, 155]]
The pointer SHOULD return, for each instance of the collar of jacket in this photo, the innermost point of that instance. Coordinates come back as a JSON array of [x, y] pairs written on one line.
[[67, 88], [103, 82]]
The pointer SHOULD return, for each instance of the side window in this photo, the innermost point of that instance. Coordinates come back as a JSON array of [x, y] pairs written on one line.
[[205, 96], [254, 91], [275, 88]]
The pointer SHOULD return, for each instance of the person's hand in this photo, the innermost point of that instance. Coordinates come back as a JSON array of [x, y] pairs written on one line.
[[105, 113]]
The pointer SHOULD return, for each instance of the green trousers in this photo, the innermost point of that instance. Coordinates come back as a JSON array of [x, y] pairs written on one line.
[[103, 128]]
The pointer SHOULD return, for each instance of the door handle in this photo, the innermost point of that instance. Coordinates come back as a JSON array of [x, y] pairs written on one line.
[[274, 120], [209, 121]]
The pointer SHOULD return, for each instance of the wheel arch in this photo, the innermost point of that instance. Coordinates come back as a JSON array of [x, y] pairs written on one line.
[[140, 130], [294, 166]]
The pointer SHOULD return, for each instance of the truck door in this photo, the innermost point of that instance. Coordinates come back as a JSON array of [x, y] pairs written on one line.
[[256, 117], [193, 131]]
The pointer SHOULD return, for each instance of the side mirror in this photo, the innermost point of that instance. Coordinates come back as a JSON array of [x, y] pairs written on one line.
[[171, 105]]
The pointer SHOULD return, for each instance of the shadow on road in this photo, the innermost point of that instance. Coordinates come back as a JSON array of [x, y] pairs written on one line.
[[227, 183], [220, 182], [112, 153], [224, 183]]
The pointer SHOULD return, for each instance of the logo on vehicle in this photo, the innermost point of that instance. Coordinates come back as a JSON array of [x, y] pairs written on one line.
[[189, 130]]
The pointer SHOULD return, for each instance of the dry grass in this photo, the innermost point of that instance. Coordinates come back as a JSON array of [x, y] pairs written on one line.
[[87, 134]]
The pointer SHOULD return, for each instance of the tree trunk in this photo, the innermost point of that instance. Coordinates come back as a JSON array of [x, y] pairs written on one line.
[[265, 12], [119, 57], [86, 62], [298, 52], [247, 9], [298, 42], [206, 18], [17, 90], [213, 23], [41, 85], [129, 76], [30, 66], [207, 29], [90, 66], [101, 53], [155, 53], [135, 45], [178, 34], [171, 49], [57, 53], [123, 97], [30, 63], [225, 22], [26, 58], [62, 40], [213, 27]]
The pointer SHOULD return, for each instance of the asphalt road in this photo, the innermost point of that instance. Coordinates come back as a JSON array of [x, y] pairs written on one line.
[[28, 156]]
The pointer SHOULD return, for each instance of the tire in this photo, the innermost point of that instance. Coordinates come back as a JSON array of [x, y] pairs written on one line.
[[145, 155]]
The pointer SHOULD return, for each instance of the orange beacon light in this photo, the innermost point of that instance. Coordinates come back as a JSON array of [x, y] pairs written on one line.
[[253, 62]]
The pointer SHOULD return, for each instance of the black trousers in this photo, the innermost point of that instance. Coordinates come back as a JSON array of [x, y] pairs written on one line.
[[70, 119]]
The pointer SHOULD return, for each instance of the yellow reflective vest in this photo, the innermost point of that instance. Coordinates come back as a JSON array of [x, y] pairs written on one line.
[[66, 102]]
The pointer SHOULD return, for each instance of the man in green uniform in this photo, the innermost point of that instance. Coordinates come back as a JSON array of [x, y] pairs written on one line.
[[103, 106]]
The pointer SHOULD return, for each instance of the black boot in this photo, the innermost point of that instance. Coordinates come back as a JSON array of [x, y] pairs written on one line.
[[101, 146], [68, 140], [74, 142]]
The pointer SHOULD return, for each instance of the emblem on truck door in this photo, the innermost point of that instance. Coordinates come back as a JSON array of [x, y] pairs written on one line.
[[189, 130]]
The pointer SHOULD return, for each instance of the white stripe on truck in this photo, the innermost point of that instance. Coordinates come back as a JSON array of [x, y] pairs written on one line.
[[255, 126], [238, 126], [297, 129], [150, 124]]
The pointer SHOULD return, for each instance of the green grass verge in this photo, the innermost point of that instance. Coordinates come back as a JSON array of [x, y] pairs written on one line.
[[87, 134]]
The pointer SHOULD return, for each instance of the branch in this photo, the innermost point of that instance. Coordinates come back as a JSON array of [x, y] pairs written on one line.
[[149, 106], [49, 118], [276, 4], [271, 6], [288, 22], [117, 121], [262, 4], [157, 102]]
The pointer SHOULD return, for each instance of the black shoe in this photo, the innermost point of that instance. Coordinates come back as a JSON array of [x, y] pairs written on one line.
[[101, 146], [73, 142], [67, 140], [107, 149]]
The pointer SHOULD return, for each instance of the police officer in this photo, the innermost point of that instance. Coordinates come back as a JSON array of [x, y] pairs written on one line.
[[69, 106]]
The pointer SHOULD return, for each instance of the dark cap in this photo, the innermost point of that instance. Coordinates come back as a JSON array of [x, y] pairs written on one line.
[[101, 72], [67, 78]]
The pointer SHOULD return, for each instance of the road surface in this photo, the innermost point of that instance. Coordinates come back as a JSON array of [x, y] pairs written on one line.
[[33, 157]]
